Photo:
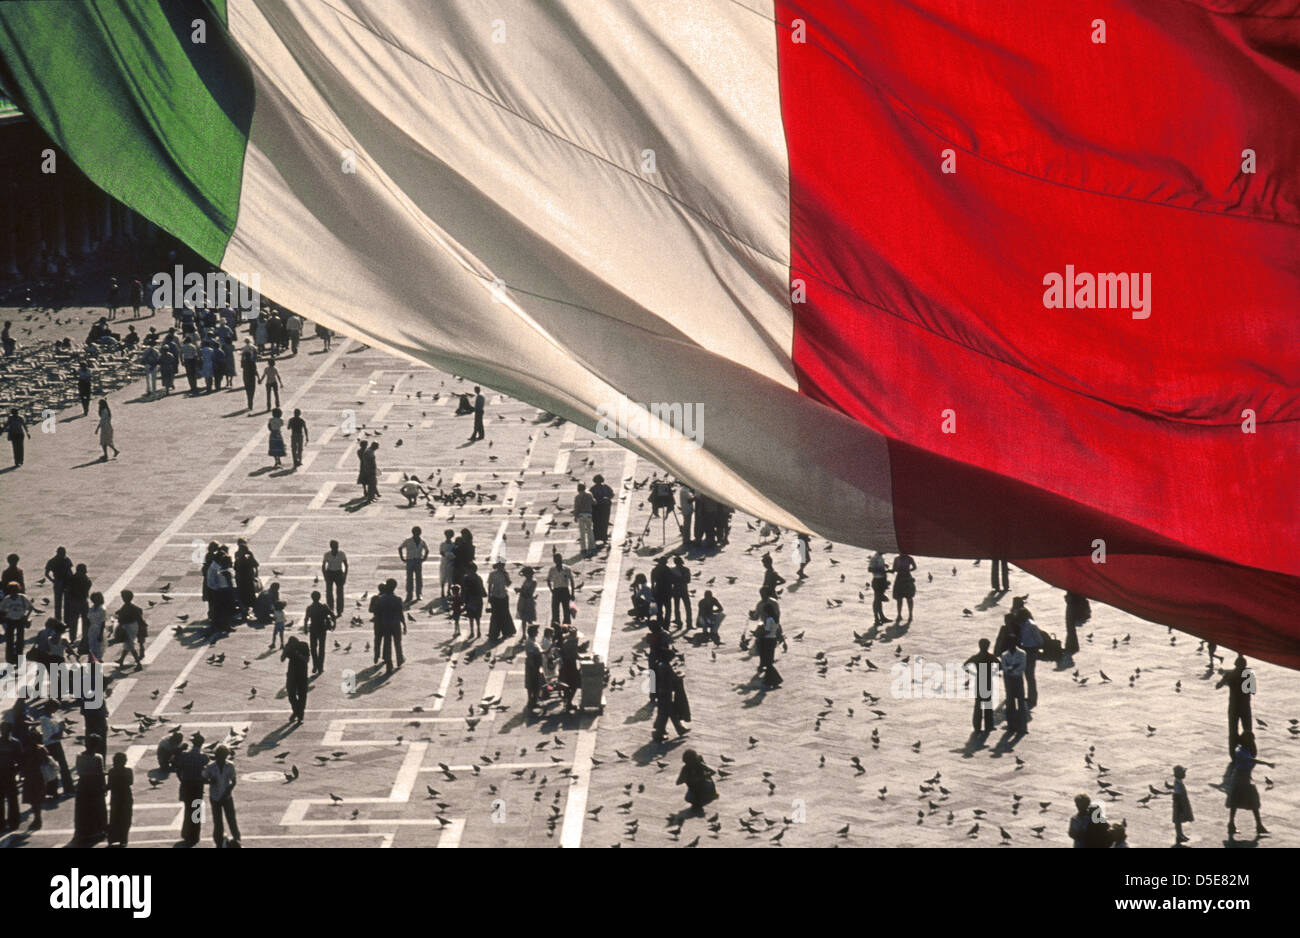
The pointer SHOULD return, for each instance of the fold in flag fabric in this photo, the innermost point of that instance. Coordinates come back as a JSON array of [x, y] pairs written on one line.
[[966, 279]]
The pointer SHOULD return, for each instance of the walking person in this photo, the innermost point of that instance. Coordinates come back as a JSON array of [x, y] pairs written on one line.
[[293, 331], [271, 378], [1182, 806], [105, 430], [603, 497], [802, 554], [190, 767], [670, 702], [149, 358], [275, 441], [90, 818], [413, 552], [17, 432], [446, 564], [583, 506], [296, 684], [1013, 679], [981, 664], [167, 365], [51, 729], [1031, 643], [220, 778], [500, 625], [479, 405], [334, 568], [1000, 582], [904, 585], [84, 379], [1242, 792], [560, 579], [769, 636], [133, 628], [298, 436], [96, 622], [320, 622], [36, 762], [121, 801]]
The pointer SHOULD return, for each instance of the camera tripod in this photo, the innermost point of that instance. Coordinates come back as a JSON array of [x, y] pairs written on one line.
[[663, 523]]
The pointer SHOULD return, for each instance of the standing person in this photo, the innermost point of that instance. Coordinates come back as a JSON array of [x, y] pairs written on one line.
[[681, 583], [500, 625], [78, 601], [1077, 611], [1240, 682], [261, 333], [122, 801], [84, 378], [604, 501], [686, 505], [982, 663], [229, 360], [413, 552], [533, 677], [35, 761], [479, 405], [190, 766], [15, 611], [769, 636], [771, 579], [13, 574], [1002, 584], [1031, 643], [271, 378], [464, 555], [583, 506], [137, 298], [904, 585], [698, 779], [190, 362], [320, 622], [570, 674], [167, 365], [473, 591], [7, 340], [207, 365], [710, 616], [296, 685], [58, 570], [277, 623], [89, 816], [248, 367], [325, 335], [220, 778], [1013, 679], [298, 436], [51, 730], [96, 621], [149, 358], [526, 608], [1242, 792], [802, 554], [363, 479], [661, 586], [105, 430], [11, 756], [293, 329], [560, 579], [390, 620], [371, 464], [131, 624], [446, 563], [246, 567], [1182, 806], [16, 430], [334, 568], [275, 442]]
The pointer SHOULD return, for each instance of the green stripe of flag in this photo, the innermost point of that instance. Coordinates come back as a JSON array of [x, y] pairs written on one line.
[[152, 117]]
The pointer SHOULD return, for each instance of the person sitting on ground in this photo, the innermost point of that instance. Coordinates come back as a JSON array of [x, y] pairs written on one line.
[[698, 779]]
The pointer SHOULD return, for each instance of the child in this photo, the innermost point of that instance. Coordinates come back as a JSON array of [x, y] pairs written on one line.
[[277, 630], [698, 779], [1182, 805], [457, 607]]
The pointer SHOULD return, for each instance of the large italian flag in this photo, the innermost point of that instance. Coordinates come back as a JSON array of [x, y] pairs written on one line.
[[828, 222]]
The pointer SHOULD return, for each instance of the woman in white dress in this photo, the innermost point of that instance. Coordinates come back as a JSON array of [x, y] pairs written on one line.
[[105, 430]]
